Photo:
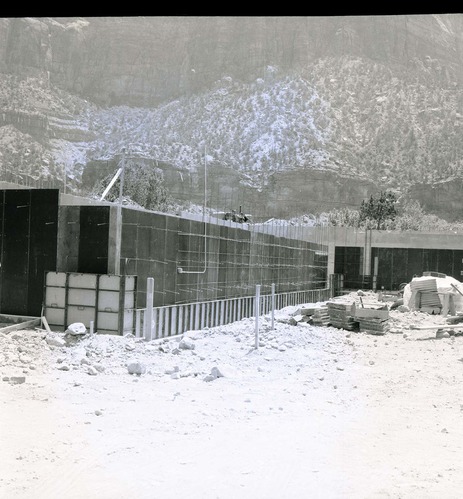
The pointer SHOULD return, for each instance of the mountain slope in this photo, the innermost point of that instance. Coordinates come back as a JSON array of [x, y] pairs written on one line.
[[347, 105]]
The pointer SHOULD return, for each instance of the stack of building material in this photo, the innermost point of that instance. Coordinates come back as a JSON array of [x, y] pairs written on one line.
[[312, 314], [424, 296], [434, 274], [373, 325], [321, 317], [373, 319], [341, 315], [308, 310]]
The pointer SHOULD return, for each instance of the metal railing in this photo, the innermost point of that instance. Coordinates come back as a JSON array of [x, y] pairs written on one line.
[[171, 320]]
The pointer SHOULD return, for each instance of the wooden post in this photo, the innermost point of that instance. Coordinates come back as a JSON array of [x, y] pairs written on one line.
[[137, 322], [273, 306], [257, 312]]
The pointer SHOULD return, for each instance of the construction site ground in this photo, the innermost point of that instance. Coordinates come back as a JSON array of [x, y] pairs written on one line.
[[313, 412]]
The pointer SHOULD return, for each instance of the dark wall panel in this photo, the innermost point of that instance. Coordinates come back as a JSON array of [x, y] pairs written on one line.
[[43, 241], [29, 231], [445, 262], [94, 238], [415, 262], [399, 265], [350, 266], [384, 268], [15, 254], [399, 268], [430, 260], [458, 264], [168, 254], [68, 239]]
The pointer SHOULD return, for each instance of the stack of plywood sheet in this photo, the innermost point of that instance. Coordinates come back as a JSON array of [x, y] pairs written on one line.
[[373, 326], [425, 296], [312, 314], [321, 317], [374, 320], [341, 315]]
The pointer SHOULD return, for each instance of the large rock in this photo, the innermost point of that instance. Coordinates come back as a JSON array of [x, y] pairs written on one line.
[[186, 343], [76, 329], [136, 368]]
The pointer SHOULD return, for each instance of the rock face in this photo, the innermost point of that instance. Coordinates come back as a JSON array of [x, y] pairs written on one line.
[[441, 198], [143, 61]]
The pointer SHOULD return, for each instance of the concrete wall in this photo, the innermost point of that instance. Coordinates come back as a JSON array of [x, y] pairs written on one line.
[[194, 260], [342, 236], [399, 255]]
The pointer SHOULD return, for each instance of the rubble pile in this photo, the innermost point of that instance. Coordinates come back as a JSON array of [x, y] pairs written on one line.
[[369, 312], [358, 311]]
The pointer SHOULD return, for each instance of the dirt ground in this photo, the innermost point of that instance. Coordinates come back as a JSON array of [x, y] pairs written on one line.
[[314, 412]]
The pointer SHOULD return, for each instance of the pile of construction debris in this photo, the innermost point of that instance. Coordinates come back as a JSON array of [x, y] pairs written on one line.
[[432, 302], [360, 311], [434, 293]]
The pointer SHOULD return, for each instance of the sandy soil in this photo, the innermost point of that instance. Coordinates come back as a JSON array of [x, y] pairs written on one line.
[[314, 412]]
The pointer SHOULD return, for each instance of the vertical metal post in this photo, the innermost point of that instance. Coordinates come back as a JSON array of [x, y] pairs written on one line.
[[137, 322], [257, 313], [117, 255], [273, 305], [148, 323], [375, 273]]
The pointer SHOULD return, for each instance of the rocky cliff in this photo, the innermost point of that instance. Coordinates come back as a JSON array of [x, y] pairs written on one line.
[[143, 61], [296, 114]]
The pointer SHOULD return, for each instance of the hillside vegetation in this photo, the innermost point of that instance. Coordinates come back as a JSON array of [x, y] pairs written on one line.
[[391, 125]]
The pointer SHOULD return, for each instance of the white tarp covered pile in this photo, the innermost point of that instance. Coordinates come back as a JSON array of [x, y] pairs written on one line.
[[444, 285]]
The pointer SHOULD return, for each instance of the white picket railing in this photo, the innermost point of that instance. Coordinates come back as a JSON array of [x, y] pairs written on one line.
[[171, 320]]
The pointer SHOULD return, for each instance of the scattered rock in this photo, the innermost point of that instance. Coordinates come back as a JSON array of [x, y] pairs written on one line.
[[440, 333], [25, 359], [136, 368], [224, 371], [15, 380], [186, 343], [295, 319], [76, 329], [55, 341]]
